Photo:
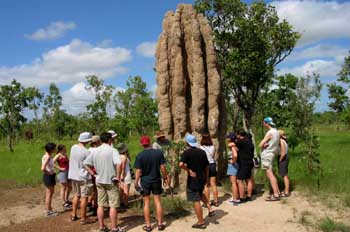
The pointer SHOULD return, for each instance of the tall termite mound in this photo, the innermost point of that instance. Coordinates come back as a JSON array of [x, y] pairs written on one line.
[[188, 81]]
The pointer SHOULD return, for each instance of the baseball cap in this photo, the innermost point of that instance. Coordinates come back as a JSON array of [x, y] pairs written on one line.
[[113, 133], [191, 140], [231, 136], [268, 120], [145, 140], [85, 137]]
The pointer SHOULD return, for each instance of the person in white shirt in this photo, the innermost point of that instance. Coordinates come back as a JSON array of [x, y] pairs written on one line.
[[107, 163], [81, 180], [270, 146]]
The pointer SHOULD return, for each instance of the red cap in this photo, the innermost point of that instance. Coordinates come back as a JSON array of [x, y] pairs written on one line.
[[145, 140]]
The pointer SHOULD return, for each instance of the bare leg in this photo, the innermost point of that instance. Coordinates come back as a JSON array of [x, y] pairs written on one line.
[[75, 205], [63, 192], [215, 189], [235, 195], [159, 209], [83, 204], [273, 182], [126, 190], [250, 186], [205, 200], [146, 211], [100, 216], [69, 189], [113, 215], [199, 212], [241, 189], [286, 184], [48, 197]]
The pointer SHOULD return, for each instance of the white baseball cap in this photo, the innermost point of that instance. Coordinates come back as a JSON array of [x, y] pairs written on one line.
[[85, 137], [113, 133]]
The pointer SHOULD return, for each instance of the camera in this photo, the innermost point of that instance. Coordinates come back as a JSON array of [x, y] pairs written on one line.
[[115, 180], [139, 189]]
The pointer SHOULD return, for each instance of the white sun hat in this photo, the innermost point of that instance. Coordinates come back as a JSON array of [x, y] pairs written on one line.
[[85, 137], [113, 133]]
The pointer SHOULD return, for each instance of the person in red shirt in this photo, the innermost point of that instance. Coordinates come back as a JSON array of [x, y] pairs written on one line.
[[62, 164]]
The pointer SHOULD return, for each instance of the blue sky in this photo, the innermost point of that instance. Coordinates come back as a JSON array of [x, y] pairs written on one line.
[[62, 41]]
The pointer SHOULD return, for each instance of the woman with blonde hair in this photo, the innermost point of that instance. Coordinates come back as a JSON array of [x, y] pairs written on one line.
[[283, 161]]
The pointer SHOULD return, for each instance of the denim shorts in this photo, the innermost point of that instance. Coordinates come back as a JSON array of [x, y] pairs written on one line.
[[232, 169]]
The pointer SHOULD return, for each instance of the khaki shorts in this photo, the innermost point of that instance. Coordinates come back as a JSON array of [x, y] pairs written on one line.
[[108, 195], [82, 188], [267, 160]]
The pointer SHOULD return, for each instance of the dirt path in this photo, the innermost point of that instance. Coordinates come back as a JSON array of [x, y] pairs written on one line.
[[22, 210]]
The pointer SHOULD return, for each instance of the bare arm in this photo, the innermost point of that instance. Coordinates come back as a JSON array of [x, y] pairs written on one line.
[[234, 154], [189, 171], [283, 150], [265, 140], [119, 170], [89, 169], [123, 165], [164, 174], [137, 176], [43, 166]]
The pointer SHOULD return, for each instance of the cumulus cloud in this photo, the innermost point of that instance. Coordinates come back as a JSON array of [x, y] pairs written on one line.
[[316, 20], [146, 49], [323, 67], [70, 63], [53, 31], [75, 99], [319, 51]]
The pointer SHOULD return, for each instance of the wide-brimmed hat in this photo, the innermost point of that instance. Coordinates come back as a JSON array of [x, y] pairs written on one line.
[[191, 140], [113, 133], [145, 140], [122, 148], [268, 120], [85, 137], [159, 134]]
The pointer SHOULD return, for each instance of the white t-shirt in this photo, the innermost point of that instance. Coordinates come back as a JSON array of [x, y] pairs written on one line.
[[78, 154], [104, 158], [50, 166], [210, 151], [274, 142]]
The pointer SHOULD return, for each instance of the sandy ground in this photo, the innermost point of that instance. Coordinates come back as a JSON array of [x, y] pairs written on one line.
[[22, 210]]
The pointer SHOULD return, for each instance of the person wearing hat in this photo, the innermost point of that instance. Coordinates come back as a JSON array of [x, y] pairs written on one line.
[[283, 161], [232, 167], [148, 164], [194, 161], [114, 136], [107, 163], [125, 173], [161, 142], [270, 147], [82, 186]]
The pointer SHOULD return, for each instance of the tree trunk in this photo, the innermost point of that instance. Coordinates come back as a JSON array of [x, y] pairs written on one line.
[[247, 122], [10, 142]]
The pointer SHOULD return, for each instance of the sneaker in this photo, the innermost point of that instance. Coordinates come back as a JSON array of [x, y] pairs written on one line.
[[50, 213]]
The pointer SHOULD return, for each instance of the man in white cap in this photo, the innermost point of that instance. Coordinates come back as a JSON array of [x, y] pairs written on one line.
[[114, 136], [270, 147], [81, 180]]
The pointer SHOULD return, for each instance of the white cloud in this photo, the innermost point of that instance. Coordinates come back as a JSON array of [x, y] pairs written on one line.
[[54, 31], [319, 51], [75, 99], [323, 67], [146, 49], [316, 20], [70, 63]]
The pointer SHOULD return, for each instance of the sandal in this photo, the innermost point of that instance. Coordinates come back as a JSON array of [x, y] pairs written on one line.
[[272, 198], [118, 229], [104, 229], [86, 221], [74, 218], [284, 194], [211, 213], [147, 228], [161, 227], [199, 226], [213, 203]]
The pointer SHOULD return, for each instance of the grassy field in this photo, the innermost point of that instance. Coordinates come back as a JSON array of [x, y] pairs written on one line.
[[22, 167]]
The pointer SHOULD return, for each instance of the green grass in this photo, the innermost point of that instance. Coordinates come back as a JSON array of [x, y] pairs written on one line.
[[22, 167], [328, 225]]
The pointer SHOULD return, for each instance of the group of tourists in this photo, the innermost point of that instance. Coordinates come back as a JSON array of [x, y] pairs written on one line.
[[100, 175]]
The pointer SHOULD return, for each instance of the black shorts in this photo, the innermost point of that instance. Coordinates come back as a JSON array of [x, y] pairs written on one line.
[[212, 170], [283, 166], [154, 188], [245, 172], [194, 195], [49, 180]]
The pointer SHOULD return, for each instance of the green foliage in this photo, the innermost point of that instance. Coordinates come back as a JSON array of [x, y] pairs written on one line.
[[98, 109], [250, 41], [13, 100], [53, 101], [135, 109], [328, 225]]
